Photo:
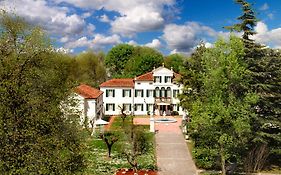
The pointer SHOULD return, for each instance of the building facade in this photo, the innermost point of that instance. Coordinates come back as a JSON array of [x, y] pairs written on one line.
[[89, 104], [155, 91]]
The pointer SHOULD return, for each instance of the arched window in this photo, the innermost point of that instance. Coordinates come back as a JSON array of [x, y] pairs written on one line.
[[169, 92], [157, 92], [163, 92]]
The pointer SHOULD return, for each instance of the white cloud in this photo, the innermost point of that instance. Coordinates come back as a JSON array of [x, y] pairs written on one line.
[[64, 50], [265, 6], [86, 15], [98, 42], [81, 42], [64, 39], [104, 18], [156, 44], [132, 42], [208, 45], [271, 38], [105, 40], [53, 19], [182, 38], [134, 16], [90, 29]]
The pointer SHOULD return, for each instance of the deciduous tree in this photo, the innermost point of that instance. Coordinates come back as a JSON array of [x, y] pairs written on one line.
[[37, 137]]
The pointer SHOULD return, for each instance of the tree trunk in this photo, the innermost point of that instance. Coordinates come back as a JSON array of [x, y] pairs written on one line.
[[109, 150], [222, 161]]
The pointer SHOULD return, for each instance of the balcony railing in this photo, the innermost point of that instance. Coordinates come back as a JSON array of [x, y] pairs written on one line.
[[163, 100]]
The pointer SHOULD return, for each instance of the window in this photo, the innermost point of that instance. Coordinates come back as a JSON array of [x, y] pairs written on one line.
[[157, 92], [139, 93], [150, 83], [157, 79], [138, 83], [168, 79], [127, 107], [126, 93], [149, 93], [149, 107], [138, 107], [175, 93], [110, 107], [110, 93], [168, 92], [163, 92]]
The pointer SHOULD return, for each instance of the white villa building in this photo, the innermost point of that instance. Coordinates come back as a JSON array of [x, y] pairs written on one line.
[[154, 91], [90, 103]]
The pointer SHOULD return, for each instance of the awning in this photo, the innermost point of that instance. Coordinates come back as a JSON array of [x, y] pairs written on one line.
[[101, 122]]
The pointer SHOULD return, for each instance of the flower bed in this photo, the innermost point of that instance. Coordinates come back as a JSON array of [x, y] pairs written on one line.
[[139, 172]]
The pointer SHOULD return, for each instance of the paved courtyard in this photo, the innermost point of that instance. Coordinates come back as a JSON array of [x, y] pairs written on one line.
[[173, 157]]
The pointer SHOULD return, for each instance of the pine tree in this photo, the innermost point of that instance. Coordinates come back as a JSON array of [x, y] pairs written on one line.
[[264, 67]]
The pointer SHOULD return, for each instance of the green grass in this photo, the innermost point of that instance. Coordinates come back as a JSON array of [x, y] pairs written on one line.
[[96, 152]]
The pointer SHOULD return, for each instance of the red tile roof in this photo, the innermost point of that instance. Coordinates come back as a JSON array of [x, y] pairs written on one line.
[[176, 75], [124, 82], [145, 77], [88, 91]]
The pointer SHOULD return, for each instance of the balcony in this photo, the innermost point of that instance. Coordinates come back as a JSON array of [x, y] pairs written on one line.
[[166, 100]]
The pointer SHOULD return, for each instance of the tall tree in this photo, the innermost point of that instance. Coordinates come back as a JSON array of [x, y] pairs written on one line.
[[37, 137], [89, 68], [221, 114], [143, 60], [264, 67], [117, 58], [174, 61]]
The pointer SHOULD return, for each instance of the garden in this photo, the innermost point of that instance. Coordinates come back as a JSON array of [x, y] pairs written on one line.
[[132, 149]]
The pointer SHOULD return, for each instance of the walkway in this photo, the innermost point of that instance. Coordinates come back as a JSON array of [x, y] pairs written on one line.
[[173, 157]]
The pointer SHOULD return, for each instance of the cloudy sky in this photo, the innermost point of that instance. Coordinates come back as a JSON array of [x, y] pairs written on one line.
[[170, 26]]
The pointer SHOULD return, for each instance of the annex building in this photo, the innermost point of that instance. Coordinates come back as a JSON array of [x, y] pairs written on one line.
[[155, 91]]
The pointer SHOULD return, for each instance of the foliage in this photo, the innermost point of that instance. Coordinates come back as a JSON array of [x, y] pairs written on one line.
[[221, 114], [36, 136], [128, 61], [192, 71], [143, 60], [248, 20], [265, 79], [88, 68], [96, 153], [174, 61], [117, 58], [135, 145]]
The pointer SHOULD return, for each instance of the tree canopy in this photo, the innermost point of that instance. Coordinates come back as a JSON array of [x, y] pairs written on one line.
[[37, 137], [221, 113]]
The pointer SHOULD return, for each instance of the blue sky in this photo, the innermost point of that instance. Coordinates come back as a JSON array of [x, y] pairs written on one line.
[[170, 26]]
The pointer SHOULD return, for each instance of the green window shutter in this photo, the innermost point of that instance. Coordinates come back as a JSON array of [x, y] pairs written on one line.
[[130, 107], [123, 93], [106, 107], [147, 93], [141, 107], [106, 93], [130, 93], [135, 93], [141, 93], [113, 93], [113, 107]]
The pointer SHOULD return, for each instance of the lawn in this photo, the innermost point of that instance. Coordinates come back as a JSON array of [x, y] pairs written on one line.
[[96, 152]]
